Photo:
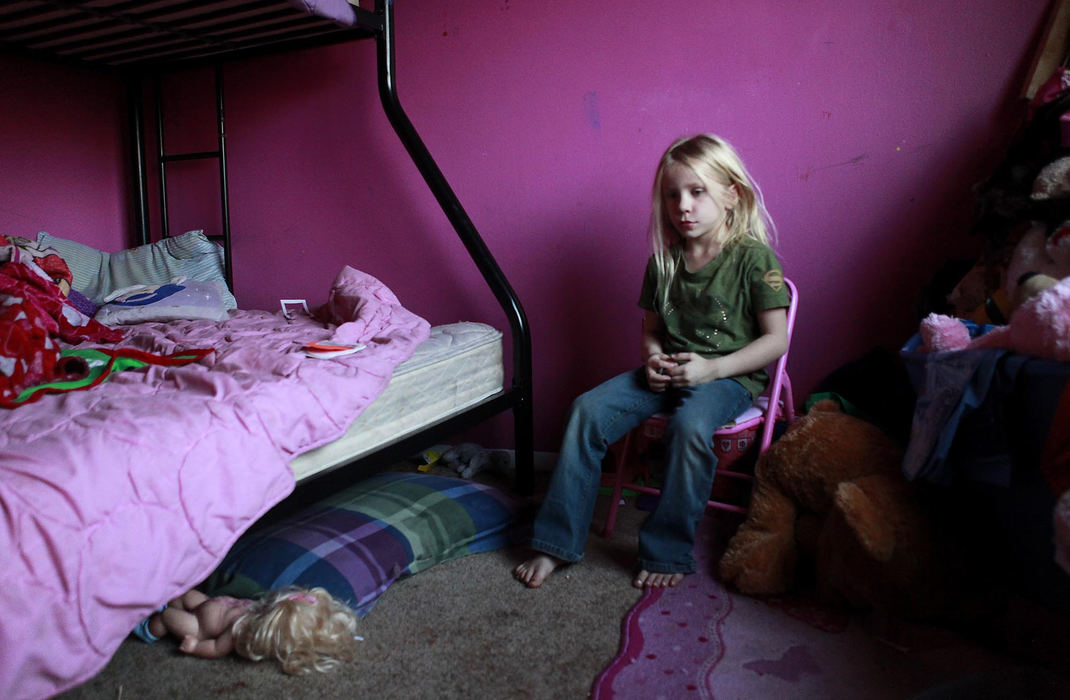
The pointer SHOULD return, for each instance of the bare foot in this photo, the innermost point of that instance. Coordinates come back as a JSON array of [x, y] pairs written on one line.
[[648, 579], [535, 570]]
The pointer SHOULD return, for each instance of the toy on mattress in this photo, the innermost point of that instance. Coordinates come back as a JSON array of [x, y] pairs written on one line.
[[120, 497]]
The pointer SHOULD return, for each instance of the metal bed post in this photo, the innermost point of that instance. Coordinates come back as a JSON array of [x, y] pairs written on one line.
[[521, 335], [224, 195], [137, 152], [161, 155]]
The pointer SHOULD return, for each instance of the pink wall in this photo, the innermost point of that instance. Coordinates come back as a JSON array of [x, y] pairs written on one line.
[[866, 124], [62, 154]]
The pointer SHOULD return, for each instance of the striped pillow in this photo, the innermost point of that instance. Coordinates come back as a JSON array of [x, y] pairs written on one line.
[[96, 274], [84, 262], [357, 542]]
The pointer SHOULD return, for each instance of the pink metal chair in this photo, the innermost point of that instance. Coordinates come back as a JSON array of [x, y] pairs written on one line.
[[775, 404]]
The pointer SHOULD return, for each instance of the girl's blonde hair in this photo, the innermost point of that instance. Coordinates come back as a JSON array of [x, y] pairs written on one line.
[[302, 629], [713, 160]]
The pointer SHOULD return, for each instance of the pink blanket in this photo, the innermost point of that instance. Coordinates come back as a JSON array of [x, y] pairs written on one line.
[[116, 499]]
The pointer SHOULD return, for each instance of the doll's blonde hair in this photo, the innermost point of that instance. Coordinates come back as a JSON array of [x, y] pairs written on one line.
[[714, 161], [302, 629]]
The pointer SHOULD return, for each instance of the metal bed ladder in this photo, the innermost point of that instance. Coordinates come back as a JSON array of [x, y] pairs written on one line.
[[141, 211]]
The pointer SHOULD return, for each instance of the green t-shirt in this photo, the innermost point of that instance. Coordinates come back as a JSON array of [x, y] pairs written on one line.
[[714, 311]]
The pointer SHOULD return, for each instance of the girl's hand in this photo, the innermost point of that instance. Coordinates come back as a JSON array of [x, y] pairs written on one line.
[[657, 371], [691, 369]]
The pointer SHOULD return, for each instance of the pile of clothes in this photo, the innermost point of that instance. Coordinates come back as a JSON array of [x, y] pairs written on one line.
[[37, 312]]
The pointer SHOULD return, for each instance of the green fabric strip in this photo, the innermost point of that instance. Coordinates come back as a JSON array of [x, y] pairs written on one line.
[[102, 363]]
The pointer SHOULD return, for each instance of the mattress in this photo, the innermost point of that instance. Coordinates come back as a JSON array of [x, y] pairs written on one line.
[[458, 366]]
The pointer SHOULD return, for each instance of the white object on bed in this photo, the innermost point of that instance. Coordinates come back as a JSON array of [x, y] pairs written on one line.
[[454, 369], [287, 303]]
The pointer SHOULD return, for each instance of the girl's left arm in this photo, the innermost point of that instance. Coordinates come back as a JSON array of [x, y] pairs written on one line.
[[765, 349]]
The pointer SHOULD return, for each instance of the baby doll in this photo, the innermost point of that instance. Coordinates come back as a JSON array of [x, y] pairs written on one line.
[[302, 629]]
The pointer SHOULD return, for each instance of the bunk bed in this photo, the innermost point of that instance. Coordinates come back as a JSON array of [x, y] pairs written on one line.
[[106, 511]]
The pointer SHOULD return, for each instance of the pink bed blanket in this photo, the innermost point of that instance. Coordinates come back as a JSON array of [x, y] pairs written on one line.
[[115, 499]]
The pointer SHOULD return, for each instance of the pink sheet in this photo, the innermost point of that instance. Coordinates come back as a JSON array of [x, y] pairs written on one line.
[[116, 499]]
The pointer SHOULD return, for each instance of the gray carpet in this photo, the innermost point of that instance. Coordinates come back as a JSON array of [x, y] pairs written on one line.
[[464, 628], [467, 629]]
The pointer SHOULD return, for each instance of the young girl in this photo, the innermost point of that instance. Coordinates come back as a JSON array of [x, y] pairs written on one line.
[[714, 316], [302, 629]]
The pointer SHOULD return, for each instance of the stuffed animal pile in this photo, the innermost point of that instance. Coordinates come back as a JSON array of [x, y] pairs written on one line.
[[1038, 283], [1039, 327], [830, 493]]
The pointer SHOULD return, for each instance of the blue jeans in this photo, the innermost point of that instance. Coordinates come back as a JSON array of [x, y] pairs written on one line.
[[604, 415]]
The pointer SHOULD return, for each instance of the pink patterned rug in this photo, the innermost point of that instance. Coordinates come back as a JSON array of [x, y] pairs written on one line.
[[700, 640]]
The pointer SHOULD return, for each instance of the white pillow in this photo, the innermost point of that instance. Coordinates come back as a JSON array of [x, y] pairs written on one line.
[[97, 274], [177, 300]]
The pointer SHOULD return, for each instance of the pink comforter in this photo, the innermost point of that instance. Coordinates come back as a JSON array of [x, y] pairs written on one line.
[[116, 499]]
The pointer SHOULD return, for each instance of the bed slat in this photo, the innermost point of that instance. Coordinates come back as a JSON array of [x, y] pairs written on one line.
[[126, 34]]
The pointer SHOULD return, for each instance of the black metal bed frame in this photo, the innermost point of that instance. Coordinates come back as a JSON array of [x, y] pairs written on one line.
[[70, 26]]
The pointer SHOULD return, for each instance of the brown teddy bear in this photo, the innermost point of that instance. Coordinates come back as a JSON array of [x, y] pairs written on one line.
[[831, 490]]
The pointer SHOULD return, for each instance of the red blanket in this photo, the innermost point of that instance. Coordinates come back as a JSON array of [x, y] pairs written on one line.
[[34, 315]]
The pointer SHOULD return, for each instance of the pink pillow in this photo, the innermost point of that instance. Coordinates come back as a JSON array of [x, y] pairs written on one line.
[[348, 304]]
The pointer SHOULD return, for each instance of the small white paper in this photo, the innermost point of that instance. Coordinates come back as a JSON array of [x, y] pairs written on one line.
[[285, 303]]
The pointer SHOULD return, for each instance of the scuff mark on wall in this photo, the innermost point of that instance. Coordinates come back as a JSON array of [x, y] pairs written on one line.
[[590, 109], [805, 175]]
